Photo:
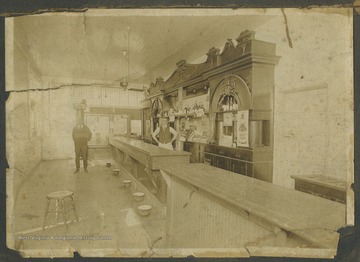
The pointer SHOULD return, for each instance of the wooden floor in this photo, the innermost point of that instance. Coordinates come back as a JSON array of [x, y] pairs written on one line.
[[105, 208]]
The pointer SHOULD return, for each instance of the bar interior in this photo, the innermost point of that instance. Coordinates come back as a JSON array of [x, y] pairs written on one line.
[[207, 133]]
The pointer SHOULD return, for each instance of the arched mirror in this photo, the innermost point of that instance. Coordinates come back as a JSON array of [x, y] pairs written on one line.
[[156, 112], [231, 95], [228, 102], [156, 108]]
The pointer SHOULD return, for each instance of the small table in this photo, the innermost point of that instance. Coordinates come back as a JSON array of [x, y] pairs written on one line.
[[323, 186]]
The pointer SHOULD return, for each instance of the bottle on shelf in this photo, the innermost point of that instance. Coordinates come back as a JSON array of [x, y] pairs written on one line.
[[235, 106]]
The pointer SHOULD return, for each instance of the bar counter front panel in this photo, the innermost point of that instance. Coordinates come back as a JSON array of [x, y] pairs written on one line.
[[142, 160], [254, 162], [208, 207], [211, 207]]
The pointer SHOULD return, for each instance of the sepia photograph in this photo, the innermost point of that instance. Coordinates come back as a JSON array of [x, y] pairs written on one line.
[[205, 132]]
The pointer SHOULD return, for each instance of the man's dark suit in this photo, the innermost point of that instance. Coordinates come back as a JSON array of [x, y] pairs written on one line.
[[81, 135]]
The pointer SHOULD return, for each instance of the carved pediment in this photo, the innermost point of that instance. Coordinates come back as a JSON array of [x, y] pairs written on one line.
[[157, 87], [229, 45], [243, 41], [243, 47], [229, 52], [185, 71], [245, 36], [213, 57]]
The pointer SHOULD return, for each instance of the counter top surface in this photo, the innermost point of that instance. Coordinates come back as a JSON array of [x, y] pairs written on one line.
[[312, 218], [149, 149], [325, 181]]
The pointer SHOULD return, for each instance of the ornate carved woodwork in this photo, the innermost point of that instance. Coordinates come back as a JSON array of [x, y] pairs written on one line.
[[240, 74], [244, 51], [235, 86], [156, 108]]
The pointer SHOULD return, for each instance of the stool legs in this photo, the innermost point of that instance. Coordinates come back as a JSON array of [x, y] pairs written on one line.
[[73, 207], [64, 212], [46, 212], [57, 210], [60, 204]]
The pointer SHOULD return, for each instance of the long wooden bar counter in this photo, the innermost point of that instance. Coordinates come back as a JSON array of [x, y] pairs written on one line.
[[208, 207], [142, 161], [211, 207]]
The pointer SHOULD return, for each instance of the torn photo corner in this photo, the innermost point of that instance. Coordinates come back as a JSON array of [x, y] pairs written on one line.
[[259, 126]]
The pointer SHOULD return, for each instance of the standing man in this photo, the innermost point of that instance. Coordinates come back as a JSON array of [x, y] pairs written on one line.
[[165, 131], [81, 135]]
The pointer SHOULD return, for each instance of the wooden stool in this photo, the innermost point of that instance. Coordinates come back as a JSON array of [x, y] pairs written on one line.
[[60, 197]]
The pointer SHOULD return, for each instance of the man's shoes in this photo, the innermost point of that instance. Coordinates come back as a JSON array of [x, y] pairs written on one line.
[[76, 171], [86, 171]]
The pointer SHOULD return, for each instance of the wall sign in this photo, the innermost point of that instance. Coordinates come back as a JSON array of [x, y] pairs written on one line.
[[228, 119], [243, 128]]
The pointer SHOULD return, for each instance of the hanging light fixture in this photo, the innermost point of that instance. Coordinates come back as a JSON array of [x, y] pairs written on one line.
[[124, 83]]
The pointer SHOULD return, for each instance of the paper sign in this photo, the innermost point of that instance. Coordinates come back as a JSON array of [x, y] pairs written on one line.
[[243, 128]]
